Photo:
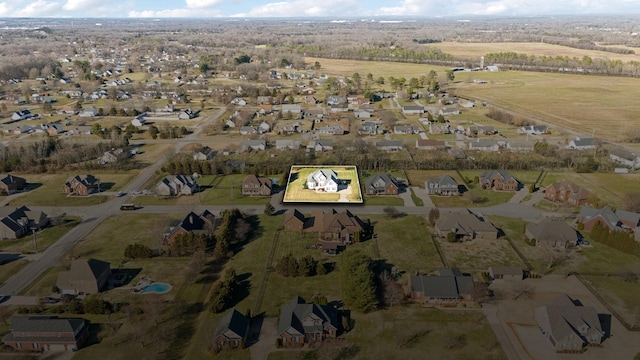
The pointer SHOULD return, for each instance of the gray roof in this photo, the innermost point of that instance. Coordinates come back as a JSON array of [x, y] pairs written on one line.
[[446, 286], [490, 174], [584, 141], [562, 318], [587, 212], [380, 181], [444, 181], [297, 310], [235, 322], [463, 223], [554, 230], [45, 324]]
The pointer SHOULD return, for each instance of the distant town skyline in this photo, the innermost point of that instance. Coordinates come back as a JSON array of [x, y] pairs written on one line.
[[310, 8]]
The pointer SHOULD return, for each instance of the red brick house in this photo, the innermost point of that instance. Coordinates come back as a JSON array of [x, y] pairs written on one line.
[[566, 192], [294, 220], [81, 185], [46, 333], [381, 184], [10, 184], [86, 276], [332, 226], [231, 331], [612, 220], [499, 180], [198, 224], [256, 186]]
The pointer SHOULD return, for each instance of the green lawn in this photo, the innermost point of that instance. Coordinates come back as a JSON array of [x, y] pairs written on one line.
[[44, 238], [620, 294], [487, 198], [296, 191], [383, 200], [49, 191], [416, 200]]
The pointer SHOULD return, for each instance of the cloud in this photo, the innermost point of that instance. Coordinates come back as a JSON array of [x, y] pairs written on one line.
[[40, 8], [74, 5], [202, 4], [5, 9], [175, 13], [304, 8]]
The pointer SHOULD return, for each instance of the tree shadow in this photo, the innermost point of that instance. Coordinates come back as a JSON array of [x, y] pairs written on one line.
[[211, 271], [255, 326], [241, 289]]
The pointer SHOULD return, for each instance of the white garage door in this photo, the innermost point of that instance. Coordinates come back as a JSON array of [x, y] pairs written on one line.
[[57, 347]]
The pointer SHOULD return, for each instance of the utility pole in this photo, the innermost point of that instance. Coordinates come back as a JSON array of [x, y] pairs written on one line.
[[35, 242]]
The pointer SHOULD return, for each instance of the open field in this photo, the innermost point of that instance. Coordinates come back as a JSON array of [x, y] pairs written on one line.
[[479, 255], [620, 294], [485, 198], [582, 103], [377, 68], [297, 192], [476, 50]]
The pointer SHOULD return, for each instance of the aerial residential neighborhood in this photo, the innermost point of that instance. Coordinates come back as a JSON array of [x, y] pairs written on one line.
[[320, 189]]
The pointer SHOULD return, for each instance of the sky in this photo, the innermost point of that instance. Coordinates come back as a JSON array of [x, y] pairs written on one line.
[[309, 8]]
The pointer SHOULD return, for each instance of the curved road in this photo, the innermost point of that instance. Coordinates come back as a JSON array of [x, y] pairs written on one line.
[[92, 216]]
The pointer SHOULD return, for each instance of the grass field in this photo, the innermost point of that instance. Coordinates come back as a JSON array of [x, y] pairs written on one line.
[[296, 187], [476, 256], [578, 102], [9, 269], [487, 197]]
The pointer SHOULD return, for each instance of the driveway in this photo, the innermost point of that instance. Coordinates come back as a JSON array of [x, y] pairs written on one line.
[[406, 197], [519, 195], [266, 343], [422, 194]]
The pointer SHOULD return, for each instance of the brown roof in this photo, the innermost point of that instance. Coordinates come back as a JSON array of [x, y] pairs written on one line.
[[430, 142]]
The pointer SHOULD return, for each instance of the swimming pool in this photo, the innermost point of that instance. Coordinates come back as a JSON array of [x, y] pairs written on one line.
[[159, 288]]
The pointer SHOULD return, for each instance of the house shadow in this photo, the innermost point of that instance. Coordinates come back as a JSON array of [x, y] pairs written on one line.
[[462, 189], [293, 177], [501, 232], [97, 332], [106, 186], [7, 258], [605, 325], [279, 212], [31, 186], [123, 276], [255, 326]]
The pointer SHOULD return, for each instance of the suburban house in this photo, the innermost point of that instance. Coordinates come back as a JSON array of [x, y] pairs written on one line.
[[18, 222], [505, 273], [10, 184], [480, 129], [332, 130], [291, 108], [381, 184], [520, 145], [499, 180], [294, 220], [89, 112], [569, 325], [81, 185], [613, 220], [232, 331], [582, 144], [204, 223], [444, 185], [369, 128], [448, 288], [320, 145], [389, 145], [332, 226], [301, 323], [114, 156], [256, 186], [248, 130], [253, 145], [21, 115], [175, 185], [86, 276], [465, 225], [449, 110], [534, 130], [566, 192], [484, 145], [405, 129], [625, 158], [204, 153], [283, 144], [46, 333], [323, 179], [430, 144], [412, 109], [553, 233]]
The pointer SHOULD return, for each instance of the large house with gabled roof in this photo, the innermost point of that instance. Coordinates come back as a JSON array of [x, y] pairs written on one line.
[[566, 192], [323, 179], [499, 180], [81, 185], [86, 276], [204, 223], [10, 184], [443, 185], [382, 184], [612, 220], [301, 323], [20, 221], [449, 287], [46, 333]]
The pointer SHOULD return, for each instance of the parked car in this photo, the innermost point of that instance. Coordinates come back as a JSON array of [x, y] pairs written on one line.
[[50, 300], [121, 194]]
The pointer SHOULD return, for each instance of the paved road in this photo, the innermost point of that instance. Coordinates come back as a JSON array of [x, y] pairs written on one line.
[[92, 217]]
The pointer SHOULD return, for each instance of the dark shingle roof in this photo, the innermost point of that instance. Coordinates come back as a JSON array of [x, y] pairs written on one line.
[[235, 322]]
